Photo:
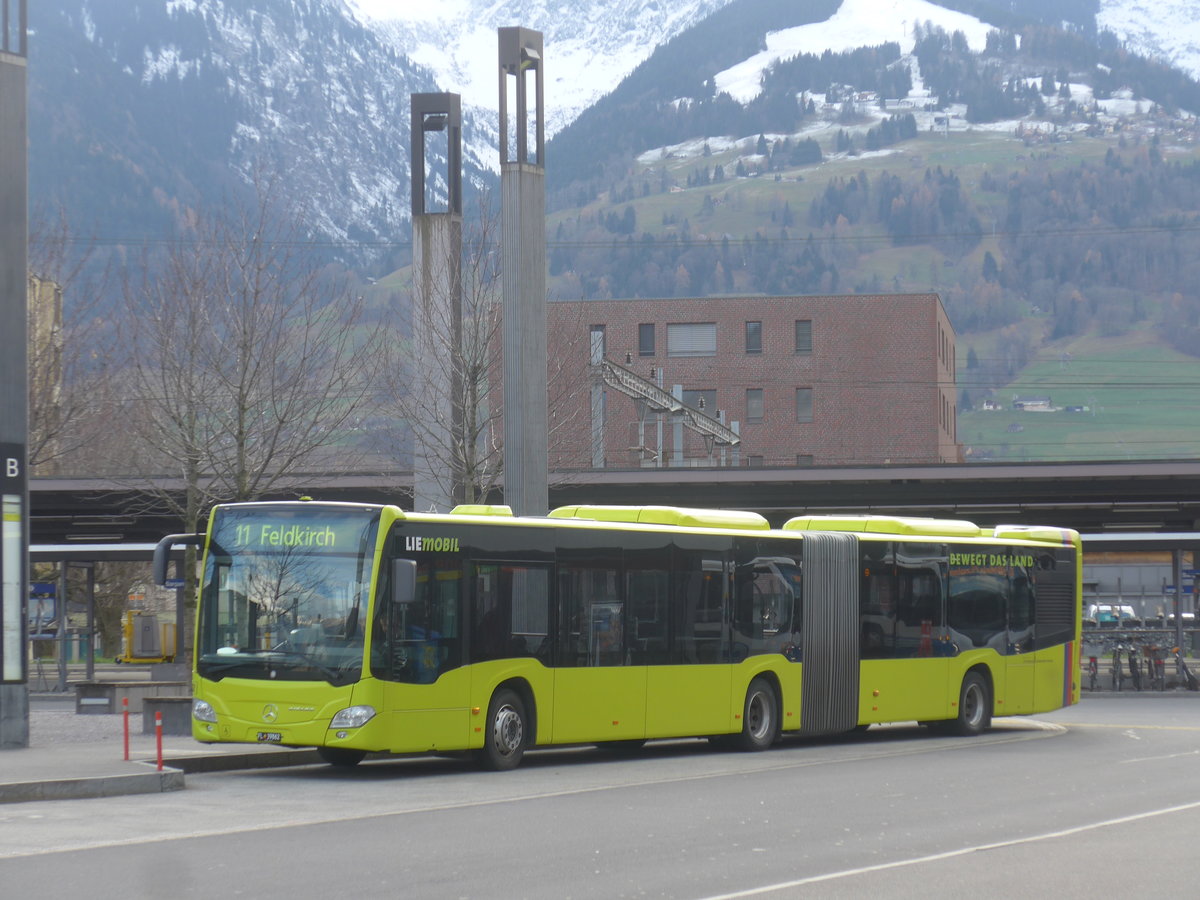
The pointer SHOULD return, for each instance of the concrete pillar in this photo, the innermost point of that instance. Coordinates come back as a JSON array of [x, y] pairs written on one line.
[[523, 235], [14, 411], [437, 310]]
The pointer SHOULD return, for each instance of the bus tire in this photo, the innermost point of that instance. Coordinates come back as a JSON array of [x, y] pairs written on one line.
[[507, 728], [760, 717], [974, 706], [341, 757]]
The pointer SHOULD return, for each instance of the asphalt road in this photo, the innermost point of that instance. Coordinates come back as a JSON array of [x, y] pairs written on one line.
[[1100, 797]]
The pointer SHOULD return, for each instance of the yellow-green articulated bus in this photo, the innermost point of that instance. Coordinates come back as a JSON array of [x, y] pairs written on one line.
[[361, 629]]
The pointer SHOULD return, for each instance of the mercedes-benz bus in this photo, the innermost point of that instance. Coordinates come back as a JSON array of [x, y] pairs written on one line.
[[359, 629]]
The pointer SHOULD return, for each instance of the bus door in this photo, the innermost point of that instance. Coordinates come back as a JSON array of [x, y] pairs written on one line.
[[903, 637], [417, 654], [1021, 664], [598, 695], [692, 694]]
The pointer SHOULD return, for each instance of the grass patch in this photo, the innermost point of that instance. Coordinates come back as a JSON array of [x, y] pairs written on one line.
[[1135, 399]]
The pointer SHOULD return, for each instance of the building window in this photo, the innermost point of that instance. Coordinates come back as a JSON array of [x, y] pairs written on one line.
[[692, 339], [804, 405], [646, 339], [804, 335], [754, 405], [753, 337], [804, 459], [598, 348], [754, 462], [704, 401]]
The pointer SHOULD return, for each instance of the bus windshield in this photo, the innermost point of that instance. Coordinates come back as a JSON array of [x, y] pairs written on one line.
[[285, 592]]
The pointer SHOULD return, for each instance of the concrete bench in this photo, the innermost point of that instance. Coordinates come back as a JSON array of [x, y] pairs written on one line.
[[176, 714], [104, 697]]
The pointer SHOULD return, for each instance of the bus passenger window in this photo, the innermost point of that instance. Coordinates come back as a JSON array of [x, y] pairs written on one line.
[[976, 614], [763, 610], [700, 606], [877, 612], [418, 641], [1020, 612], [593, 615], [512, 612], [649, 604]]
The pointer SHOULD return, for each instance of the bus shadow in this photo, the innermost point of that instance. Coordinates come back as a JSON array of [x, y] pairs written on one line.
[[384, 767]]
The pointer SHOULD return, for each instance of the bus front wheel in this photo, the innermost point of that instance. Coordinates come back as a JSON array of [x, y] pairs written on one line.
[[974, 706], [760, 717], [504, 743]]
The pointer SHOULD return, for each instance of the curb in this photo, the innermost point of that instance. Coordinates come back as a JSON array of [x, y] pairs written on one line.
[[229, 762], [152, 782]]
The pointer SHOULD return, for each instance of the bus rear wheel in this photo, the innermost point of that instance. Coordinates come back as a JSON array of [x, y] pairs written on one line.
[[974, 706], [760, 717], [504, 743]]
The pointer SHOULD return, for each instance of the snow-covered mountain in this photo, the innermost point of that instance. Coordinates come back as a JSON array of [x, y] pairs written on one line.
[[590, 44], [141, 110], [1166, 30], [857, 23]]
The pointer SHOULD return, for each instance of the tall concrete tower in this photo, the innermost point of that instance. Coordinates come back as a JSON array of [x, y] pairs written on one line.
[[437, 307], [14, 377], [523, 233]]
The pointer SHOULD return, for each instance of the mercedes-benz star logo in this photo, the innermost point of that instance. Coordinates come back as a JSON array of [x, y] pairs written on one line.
[[270, 712]]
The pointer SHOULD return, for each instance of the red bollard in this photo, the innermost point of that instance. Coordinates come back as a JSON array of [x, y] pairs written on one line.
[[125, 714], [158, 737]]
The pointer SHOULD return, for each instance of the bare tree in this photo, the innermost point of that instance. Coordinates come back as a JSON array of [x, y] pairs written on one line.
[[116, 582], [248, 364], [68, 346], [462, 420], [457, 422]]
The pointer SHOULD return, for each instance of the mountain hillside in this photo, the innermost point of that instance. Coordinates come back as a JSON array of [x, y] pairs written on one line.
[[140, 110]]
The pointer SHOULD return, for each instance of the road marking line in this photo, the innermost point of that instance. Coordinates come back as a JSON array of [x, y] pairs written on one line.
[[951, 854], [1157, 758], [1139, 727]]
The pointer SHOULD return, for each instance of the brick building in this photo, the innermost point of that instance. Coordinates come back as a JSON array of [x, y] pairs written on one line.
[[818, 380]]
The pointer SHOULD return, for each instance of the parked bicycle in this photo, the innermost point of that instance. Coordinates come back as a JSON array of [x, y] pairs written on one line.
[[1093, 649], [1118, 672], [1156, 666], [1135, 665], [1186, 677]]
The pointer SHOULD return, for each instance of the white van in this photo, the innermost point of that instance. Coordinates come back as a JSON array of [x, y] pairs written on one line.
[[1110, 615]]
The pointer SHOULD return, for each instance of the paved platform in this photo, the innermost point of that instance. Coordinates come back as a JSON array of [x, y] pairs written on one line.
[[74, 756]]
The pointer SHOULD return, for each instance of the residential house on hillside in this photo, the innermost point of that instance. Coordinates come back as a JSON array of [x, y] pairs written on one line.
[[1033, 404]]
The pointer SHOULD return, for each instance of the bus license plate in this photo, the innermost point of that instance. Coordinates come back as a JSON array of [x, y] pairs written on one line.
[[270, 737]]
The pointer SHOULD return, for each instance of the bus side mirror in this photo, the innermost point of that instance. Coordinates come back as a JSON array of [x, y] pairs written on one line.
[[404, 581], [162, 553]]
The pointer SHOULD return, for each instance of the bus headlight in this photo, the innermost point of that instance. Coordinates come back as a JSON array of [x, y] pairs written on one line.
[[352, 717], [202, 711]]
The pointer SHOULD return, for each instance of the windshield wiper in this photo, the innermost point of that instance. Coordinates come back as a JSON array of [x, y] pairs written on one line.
[[255, 657], [331, 675]]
